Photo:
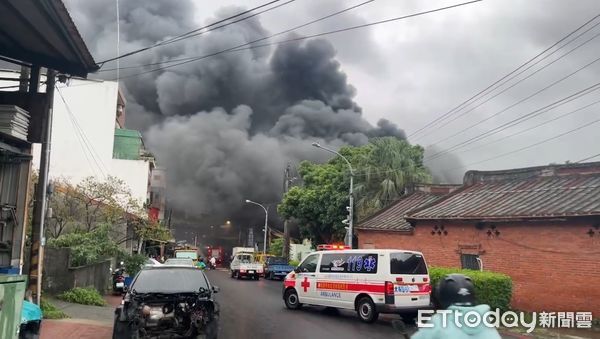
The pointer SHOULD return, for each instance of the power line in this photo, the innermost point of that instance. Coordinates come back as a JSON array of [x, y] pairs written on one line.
[[466, 102], [83, 149], [534, 127], [81, 134], [194, 32], [239, 47], [588, 158], [92, 152], [518, 102], [519, 120], [534, 144]]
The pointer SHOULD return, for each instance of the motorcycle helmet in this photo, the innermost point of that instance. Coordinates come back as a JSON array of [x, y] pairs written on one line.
[[455, 289]]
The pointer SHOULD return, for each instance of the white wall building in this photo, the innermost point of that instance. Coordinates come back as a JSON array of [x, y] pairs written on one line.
[[83, 135]]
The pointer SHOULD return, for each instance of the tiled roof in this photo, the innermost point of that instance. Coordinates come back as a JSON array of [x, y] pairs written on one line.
[[391, 218], [540, 192]]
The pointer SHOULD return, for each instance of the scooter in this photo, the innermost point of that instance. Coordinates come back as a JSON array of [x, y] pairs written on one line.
[[118, 279]]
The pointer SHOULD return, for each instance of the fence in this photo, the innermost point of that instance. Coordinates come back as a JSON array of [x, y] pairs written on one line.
[[59, 276]]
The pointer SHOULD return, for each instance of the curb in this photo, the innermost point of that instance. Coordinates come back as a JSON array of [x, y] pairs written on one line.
[[80, 321]]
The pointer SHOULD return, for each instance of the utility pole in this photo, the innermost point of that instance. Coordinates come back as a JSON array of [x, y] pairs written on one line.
[[39, 209], [286, 229]]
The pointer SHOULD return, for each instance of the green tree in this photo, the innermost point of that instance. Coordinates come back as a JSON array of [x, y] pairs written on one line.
[[108, 201], [389, 168], [320, 204], [87, 247], [276, 247], [383, 169]]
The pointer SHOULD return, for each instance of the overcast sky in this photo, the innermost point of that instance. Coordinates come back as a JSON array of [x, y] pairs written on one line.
[[414, 70]]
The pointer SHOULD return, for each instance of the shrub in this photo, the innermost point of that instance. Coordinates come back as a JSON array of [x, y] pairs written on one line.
[[84, 296], [494, 289], [134, 263], [50, 311], [294, 263]]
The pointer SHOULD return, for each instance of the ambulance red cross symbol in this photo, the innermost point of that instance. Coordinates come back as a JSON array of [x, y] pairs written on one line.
[[305, 284]]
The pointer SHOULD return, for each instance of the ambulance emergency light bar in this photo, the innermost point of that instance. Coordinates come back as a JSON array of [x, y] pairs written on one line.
[[332, 247]]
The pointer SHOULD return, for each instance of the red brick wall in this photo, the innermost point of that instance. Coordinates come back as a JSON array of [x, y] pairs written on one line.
[[554, 266]]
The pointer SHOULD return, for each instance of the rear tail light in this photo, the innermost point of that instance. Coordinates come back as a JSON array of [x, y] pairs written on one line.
[[242, 271], [425, 288], [389, 288], [120, 278], [399, 280]]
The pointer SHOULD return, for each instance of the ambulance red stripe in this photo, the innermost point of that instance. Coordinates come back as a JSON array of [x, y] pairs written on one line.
[[350, 287]]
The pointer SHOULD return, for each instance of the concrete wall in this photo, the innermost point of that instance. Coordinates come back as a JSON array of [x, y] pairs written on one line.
[[136, 173], [554, 265], [59, 277], [89, 114]]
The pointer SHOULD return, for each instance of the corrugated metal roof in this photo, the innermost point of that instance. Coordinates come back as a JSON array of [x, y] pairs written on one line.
[[391, 218], [526, 197], [41, 32]]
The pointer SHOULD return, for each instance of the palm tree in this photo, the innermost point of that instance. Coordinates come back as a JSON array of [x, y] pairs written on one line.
[[386, 172]]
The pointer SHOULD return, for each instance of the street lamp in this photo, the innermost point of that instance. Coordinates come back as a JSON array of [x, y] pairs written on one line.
[[351, 208], [266, 219]]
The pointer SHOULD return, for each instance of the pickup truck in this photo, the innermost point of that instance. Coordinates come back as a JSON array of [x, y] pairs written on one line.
[[244, 265], [277, 267]]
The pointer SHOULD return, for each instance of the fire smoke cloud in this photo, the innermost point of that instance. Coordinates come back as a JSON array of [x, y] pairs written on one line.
[[225, 127]]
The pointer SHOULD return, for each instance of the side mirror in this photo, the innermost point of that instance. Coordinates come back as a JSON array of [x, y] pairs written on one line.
[[216, 289], [297, 270]]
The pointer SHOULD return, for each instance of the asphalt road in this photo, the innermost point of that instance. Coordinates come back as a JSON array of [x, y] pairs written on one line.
[[255, 309]]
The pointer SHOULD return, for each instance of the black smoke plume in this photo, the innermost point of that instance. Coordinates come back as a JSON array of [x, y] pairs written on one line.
[[225, 127]]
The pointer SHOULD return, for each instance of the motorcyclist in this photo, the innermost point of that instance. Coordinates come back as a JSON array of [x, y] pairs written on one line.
[[455, 292], [201, 265]]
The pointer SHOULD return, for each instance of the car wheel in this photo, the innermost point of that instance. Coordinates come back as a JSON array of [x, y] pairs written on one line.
[[365, 308], [291, 299], [257, 277], [238, 275], [271, 276], [28, 333], [121, 329], [409, 318], [212, 329], [232, 274]]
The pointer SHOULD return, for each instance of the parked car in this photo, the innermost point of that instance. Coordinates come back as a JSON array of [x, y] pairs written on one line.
[[277, 267], [168, 301], [179, 262], [368, 281], [244, 265], [152, 262], [31, 321]]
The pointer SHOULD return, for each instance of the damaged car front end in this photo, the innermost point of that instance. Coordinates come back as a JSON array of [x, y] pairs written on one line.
[[168, 302]]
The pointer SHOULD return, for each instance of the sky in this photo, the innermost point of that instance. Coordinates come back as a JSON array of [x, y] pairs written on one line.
[[413, 71], [226, 126]]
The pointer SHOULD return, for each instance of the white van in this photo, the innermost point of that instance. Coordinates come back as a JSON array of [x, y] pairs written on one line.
[[369, 281]]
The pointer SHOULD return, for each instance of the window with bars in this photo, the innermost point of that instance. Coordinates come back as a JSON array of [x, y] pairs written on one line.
[[470, 261]]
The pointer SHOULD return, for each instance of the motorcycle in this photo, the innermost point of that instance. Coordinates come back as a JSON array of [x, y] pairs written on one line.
[[118, 279]]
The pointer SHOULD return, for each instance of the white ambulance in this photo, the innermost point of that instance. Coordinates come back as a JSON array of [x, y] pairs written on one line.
[[369, 281]]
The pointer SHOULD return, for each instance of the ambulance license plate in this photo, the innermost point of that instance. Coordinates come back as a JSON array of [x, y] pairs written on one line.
[[405, 288], [251, 272]]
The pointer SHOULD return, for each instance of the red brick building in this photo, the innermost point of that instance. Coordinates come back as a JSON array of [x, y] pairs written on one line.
[[540, 225]]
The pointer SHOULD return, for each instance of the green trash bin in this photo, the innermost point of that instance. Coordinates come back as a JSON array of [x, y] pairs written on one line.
[[12, 293]]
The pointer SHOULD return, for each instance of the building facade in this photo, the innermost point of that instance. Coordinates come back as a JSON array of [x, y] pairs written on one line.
[[539, 225]]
